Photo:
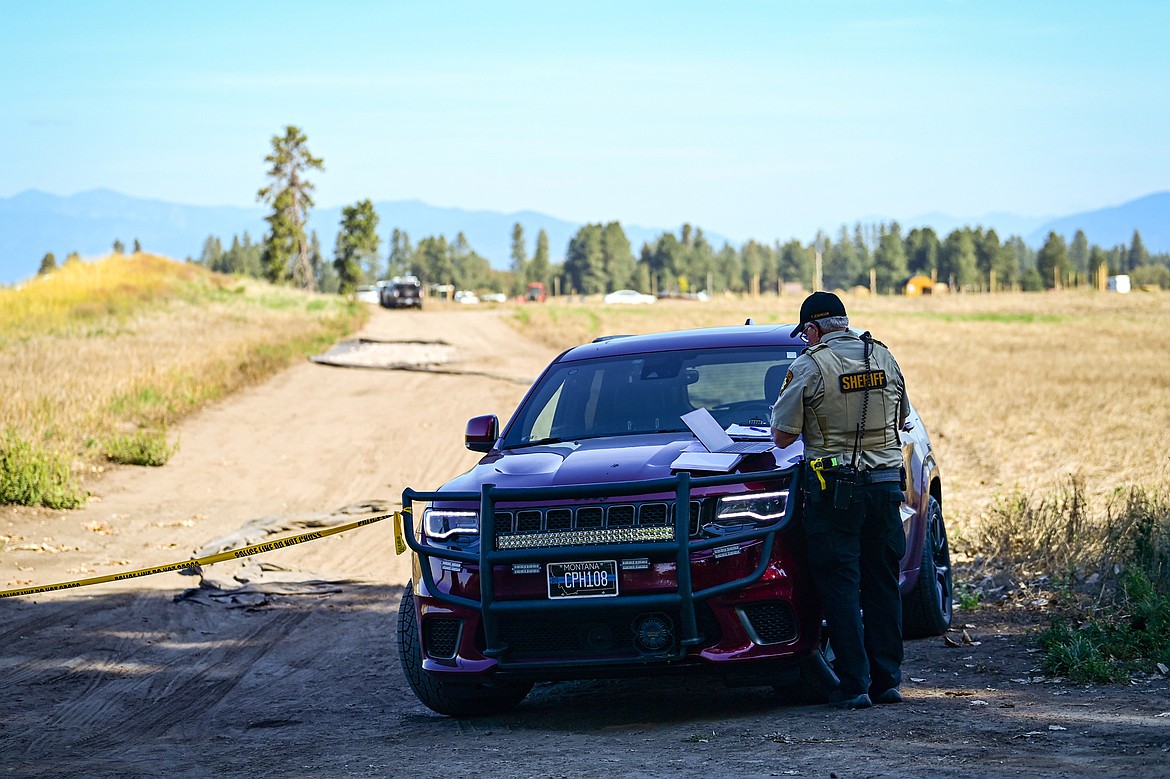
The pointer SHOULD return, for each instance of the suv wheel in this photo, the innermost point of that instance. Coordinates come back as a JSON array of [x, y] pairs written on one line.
[[453, 700], [926, 610]]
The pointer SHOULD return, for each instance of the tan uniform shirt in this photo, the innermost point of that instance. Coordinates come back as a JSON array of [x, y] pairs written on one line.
[[829, 426]]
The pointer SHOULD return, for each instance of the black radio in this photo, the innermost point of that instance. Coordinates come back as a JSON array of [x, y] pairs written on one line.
[[844, 482]]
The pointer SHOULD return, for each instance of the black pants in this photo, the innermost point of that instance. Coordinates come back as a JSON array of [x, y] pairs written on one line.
[[855, 554]]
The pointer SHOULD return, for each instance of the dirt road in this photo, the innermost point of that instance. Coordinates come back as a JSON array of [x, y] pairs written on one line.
[[286, 666]]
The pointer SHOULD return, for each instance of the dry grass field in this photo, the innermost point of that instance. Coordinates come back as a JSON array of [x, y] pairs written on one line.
[[1021, 392], [1043, 407], [97, 359]]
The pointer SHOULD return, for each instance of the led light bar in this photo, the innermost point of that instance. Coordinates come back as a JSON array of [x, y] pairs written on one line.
[[619, 535]]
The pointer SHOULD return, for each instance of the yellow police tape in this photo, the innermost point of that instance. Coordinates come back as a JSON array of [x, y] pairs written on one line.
[[231, 554]]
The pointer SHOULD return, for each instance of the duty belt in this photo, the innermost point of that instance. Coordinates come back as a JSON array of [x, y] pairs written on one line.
[[821, 464], [876, 476], [879, 475]]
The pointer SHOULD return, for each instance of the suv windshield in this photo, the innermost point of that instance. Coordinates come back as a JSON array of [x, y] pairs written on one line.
[[645, 393]]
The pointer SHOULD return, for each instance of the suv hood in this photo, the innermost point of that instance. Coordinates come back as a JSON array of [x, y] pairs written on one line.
[[597, 460]]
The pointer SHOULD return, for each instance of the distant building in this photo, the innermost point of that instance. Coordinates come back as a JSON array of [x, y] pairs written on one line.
[[1117, 284], [918, 285]]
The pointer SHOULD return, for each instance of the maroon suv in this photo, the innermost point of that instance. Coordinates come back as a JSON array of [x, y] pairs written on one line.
[[598, 537]]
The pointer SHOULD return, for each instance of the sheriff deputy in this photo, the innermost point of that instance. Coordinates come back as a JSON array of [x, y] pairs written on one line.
[[846, 398]]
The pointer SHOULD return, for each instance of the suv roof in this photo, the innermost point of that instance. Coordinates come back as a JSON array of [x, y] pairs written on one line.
[[701, 338]]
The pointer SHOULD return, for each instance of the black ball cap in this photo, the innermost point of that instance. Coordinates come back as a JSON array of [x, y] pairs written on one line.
[[818, 305]]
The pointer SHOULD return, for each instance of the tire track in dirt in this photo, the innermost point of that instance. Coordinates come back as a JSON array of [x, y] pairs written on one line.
[[132, 711], [64, 622], [44, 616]]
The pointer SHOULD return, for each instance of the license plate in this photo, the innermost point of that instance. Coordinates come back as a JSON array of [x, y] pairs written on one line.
[[593, 579]]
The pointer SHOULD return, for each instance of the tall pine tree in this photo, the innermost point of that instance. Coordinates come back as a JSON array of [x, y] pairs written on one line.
[[922, 247], [1078, 253], [286, 247], [890, 260], [519, 259], [1138, 254], [584, 261], [958, 263], [400, 253], [212, 252], [540, 268], [357, 245], [617, 258], [1052, 262]]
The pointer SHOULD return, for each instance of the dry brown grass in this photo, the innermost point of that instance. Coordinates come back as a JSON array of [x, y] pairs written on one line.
[[100, 351], [1019, 391]]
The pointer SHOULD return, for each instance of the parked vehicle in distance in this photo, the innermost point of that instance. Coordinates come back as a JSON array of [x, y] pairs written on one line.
[[494, 297], [402, 292], [466, 297], [597, 537], [701, 296], [367, 293], [627, 296], [535, 292]]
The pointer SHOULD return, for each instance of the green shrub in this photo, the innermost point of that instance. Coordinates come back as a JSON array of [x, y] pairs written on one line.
[[1109, 570], [1124, 629], [1112, 644], [36, 477], [1138, 538], [969, 597], [1080, 654], [143, 447]]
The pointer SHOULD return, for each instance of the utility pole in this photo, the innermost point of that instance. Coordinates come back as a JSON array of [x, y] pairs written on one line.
[[819, 267]]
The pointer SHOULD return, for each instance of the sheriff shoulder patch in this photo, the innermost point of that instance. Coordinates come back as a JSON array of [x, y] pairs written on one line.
[[857, 382], [787, 381]]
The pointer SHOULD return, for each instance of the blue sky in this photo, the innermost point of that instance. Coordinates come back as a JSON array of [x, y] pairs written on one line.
[[750, 119]]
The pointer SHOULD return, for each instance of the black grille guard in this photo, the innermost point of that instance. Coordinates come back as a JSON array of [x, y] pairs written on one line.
[[683, 600]]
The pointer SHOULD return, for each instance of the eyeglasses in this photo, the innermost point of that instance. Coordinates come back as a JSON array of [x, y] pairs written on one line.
[[804, 331]]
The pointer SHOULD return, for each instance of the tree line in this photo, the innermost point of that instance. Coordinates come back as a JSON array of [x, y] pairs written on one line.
[[599, 257]]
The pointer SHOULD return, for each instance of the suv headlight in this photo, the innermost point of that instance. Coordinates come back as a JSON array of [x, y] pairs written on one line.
[[740, 512], [444, 523]]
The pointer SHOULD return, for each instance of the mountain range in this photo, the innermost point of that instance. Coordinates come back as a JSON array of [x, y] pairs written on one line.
[[33, 223]]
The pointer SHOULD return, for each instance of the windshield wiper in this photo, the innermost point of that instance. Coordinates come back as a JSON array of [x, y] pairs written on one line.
[[542, 442]]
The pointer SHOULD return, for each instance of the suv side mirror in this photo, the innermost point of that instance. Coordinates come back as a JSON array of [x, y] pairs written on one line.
[[481, 433]]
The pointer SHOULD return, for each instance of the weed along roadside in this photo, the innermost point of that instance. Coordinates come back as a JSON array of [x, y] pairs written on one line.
[[99, 360], [1099, 570]]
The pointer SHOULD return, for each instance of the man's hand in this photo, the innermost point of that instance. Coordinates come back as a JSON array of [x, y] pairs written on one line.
[[782, 439]]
